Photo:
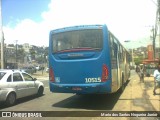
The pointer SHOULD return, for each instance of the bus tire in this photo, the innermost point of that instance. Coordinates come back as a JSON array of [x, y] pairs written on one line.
[[123, 85]]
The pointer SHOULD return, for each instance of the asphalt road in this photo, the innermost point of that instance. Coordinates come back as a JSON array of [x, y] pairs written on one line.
[[136, 97]]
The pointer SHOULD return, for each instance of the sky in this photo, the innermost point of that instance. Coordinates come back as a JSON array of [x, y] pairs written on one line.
[[29, 21]]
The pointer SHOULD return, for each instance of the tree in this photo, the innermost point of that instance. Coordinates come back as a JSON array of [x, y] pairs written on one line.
[[20, 55], [138, 60], [32, 53]]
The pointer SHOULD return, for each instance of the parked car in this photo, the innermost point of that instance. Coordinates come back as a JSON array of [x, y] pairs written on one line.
[[38, 67], [29, 69], [15, 84]]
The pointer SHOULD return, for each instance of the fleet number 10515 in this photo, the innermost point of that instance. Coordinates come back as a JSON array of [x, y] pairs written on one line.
[[93, 80]]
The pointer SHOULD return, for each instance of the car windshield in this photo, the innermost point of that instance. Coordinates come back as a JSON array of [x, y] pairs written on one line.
[[2, 74], [89, 39]]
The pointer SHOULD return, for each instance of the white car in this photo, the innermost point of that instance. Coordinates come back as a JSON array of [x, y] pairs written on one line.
[[16, 84]]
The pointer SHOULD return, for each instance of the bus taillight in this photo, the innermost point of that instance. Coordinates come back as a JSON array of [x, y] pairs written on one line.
[[104, 73], [51, 75]]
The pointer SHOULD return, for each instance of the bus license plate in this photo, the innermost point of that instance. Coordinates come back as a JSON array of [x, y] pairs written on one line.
[[76, 88]]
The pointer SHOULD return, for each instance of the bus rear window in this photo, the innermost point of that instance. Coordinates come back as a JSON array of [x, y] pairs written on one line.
[[78, 39]]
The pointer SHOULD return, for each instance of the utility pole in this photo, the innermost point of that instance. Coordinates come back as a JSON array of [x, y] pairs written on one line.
[[154, 30], [154, 37], [16, 51], [158, 20], [1, 37]]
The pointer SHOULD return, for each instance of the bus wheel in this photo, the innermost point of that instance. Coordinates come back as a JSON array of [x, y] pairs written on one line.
[[123, 85]]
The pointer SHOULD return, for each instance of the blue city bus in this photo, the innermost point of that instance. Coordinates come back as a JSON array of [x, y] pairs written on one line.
[[86, 59]]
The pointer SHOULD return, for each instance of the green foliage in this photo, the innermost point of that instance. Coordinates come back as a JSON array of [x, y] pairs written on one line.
[[138, 60]]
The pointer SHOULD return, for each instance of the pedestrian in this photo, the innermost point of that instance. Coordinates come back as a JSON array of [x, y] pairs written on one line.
[[137, 69], [42, 69], [156, 79], [141, 74]]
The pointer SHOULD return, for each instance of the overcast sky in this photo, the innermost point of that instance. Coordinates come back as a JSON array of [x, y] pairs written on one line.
[[29, 21]]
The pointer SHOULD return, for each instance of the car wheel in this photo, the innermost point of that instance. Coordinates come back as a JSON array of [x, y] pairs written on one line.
[[40, 91], [11, 99]]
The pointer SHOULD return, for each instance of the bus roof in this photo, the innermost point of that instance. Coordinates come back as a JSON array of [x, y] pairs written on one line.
[[76, 28]]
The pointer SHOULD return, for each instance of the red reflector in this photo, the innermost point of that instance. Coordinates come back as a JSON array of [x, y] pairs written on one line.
[[104, 73], [51, 75]]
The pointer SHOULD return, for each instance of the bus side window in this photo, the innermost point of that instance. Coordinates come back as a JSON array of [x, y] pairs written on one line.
[[111, 45], [115, 50], [121, 54], [115, 47], [124, 55]]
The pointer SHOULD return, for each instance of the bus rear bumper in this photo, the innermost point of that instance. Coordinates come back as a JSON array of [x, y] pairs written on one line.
[[97, 88]]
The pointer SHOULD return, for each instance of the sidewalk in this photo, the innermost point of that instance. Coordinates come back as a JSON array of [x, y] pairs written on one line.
[[41, 75], [142, 94]]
